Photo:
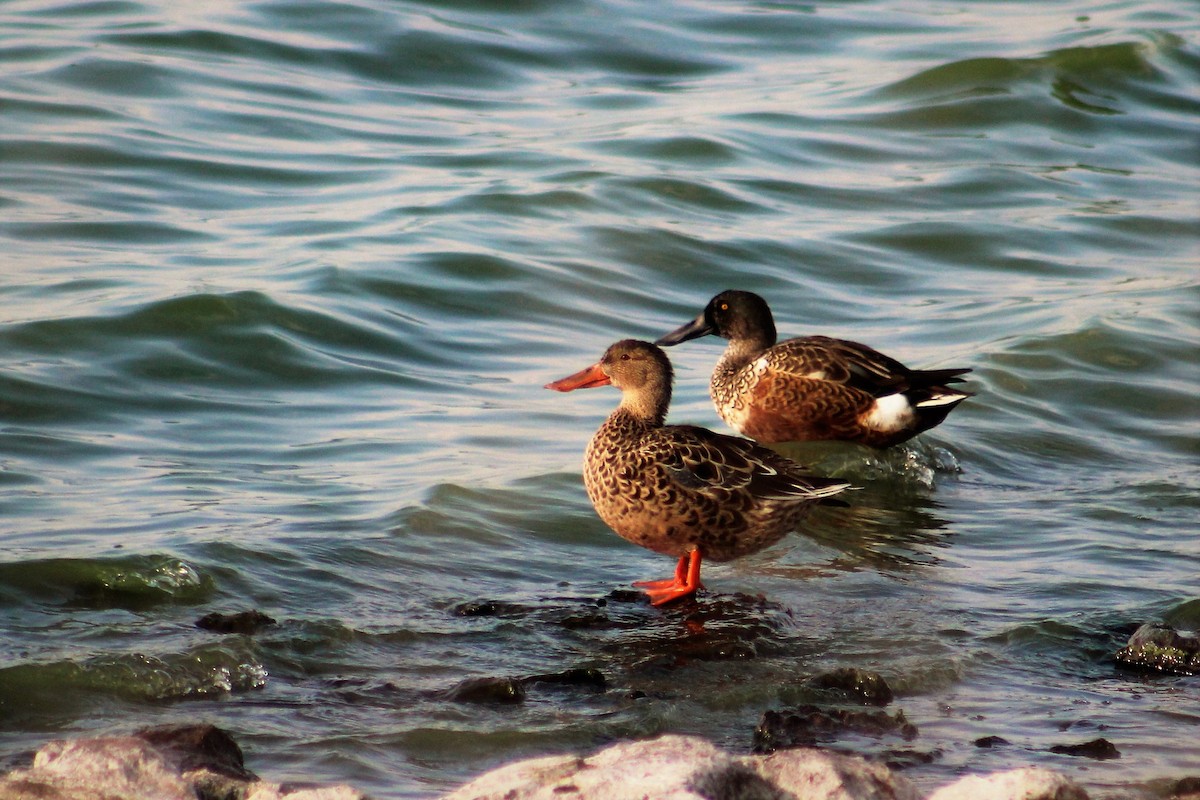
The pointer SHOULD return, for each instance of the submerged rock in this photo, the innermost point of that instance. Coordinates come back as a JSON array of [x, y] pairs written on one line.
[[907, 758], [489, 608], [588, 678], [991, 741], [808, 725], [514, 690], [1099, 749], [242, 622], [182, 762], [860, 684], [488, 690], [1160, 648]]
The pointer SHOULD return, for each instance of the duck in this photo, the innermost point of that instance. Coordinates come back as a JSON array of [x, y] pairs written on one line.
[[813, 388], [683, 490]]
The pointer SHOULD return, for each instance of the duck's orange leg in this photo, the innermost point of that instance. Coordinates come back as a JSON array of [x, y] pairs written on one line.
[[685, 582], [680, 576]]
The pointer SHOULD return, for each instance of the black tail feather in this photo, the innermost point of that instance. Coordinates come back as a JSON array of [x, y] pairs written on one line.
[[920, 378]]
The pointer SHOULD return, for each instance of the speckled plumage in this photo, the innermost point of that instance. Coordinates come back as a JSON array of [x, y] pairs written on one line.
[[679, 489], [816, 387]]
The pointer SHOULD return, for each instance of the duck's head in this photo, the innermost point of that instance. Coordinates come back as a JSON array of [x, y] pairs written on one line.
[[630, 365], [733, 315]]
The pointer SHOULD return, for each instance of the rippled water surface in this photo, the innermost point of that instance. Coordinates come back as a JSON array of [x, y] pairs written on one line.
[[281, 282]]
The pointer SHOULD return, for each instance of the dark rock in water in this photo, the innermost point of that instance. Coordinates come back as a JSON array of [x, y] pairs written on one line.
[[861, 684], [242, 622], [484, 608], [991, 741], [200, 747], [489, 608], [1160, 648], [584, 622], [626, 596], [808, 725], [906, 759], [514, 690], [1099, 749], [182, 762], [589, 678], [488, 690], [722, 646], [361, 691]]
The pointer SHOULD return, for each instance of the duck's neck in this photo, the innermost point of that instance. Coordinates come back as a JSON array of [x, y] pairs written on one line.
[[647, 405], [744, 349]]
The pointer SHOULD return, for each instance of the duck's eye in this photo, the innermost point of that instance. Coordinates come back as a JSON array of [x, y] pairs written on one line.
[[724, 306]]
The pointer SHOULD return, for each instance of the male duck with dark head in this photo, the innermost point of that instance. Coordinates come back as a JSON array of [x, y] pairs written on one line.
[[814, 388], [681, 490]]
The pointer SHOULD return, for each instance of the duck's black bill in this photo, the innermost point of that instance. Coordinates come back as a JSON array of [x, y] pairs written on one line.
[[692, 330]]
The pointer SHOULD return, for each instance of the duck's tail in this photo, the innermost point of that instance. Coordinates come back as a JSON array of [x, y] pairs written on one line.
[[931, 399], [936, 378]]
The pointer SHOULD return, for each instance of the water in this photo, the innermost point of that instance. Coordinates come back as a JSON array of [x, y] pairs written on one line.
[[281, 283]]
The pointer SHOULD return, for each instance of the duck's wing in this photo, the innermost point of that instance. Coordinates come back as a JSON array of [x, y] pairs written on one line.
[[853, 364], [700, 460]]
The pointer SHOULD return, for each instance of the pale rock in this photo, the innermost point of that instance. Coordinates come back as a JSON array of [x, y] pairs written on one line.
[[660, 768], [1027, 783], [811, 773], [689, 768], [274, 791], [168, 763], [125, 767]]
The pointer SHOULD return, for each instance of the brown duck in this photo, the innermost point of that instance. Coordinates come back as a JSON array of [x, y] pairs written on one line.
[[815, 387], [681, 490]]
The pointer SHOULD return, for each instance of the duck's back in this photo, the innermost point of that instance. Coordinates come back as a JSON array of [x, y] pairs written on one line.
[[819, 388]]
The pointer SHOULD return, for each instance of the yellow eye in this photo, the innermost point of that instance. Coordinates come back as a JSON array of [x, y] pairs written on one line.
[[724, 306]]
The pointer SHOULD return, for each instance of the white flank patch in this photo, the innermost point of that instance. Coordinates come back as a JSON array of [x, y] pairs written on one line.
[[890, 413]]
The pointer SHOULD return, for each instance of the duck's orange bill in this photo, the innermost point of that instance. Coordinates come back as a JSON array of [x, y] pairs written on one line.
[[584, 379]]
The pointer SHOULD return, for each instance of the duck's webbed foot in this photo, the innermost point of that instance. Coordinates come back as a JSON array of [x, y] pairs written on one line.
[[685, 582]]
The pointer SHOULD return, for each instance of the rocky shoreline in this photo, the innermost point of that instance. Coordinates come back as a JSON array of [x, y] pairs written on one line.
[[202, 762], [789, 760]]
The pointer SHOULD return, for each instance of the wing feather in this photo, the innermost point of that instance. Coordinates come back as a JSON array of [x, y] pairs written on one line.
[[702, 460], [853, 364]]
